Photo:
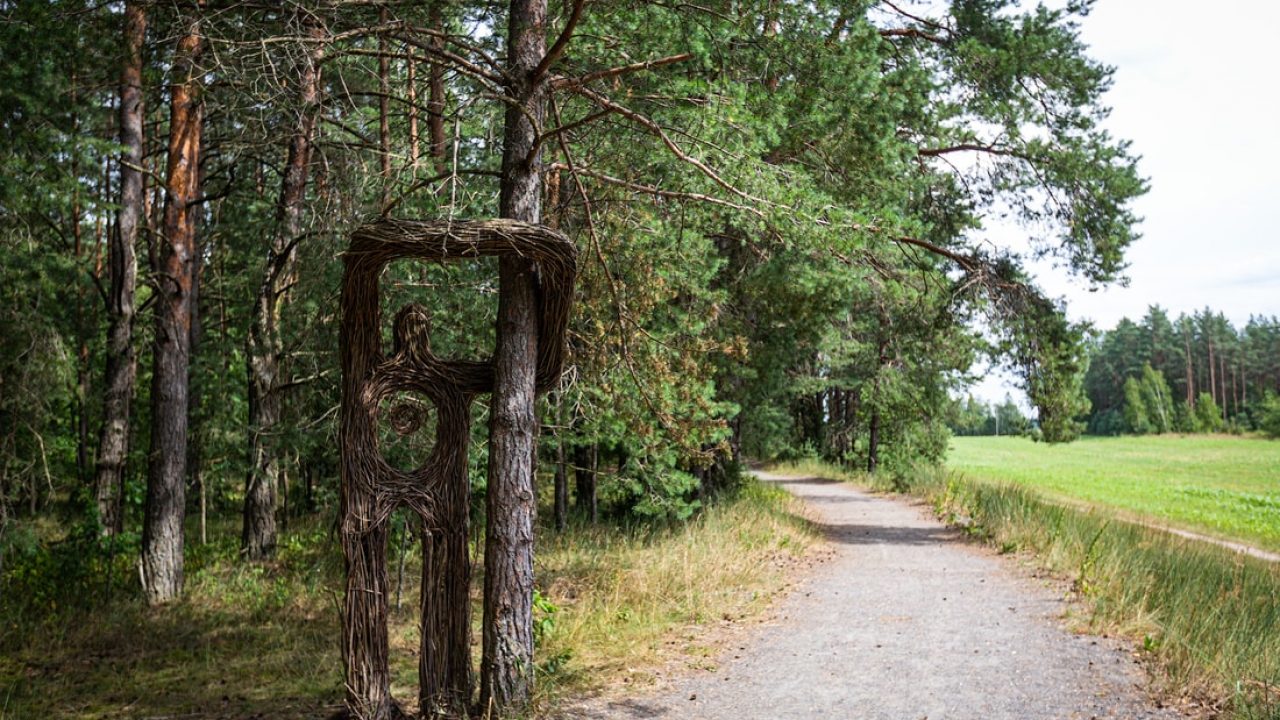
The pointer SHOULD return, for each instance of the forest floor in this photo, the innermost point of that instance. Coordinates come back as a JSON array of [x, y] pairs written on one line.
[[907, 619]]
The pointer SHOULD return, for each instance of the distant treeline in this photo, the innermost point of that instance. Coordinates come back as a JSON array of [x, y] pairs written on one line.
[[971, 416], [1196, 373]]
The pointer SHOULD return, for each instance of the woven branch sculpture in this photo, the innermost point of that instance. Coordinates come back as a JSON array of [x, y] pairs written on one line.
[[437, 491]]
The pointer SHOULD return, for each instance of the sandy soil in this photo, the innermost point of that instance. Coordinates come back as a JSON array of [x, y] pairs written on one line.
[[905, 621]]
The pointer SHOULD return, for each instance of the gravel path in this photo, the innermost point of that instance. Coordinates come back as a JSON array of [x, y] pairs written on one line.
[[905, 621]]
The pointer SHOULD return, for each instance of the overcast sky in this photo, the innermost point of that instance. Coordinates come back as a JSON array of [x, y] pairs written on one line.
[[1197, 93]]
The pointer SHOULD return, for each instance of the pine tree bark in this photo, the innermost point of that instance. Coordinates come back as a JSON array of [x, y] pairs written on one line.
[[561, 486], [411, 88], [121, 360], [506, 669], [264, 347], [584, 475], [195, 418], [873, 439], [174, 264], [1191, 380], [384, 109], [1213, 375], [435, 98], [1222, 382]]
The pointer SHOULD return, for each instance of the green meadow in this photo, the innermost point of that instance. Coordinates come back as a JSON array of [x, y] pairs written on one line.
[[1224, 486]]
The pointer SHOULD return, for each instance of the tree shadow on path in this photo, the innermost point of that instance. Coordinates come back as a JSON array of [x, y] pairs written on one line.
[[869, 533]]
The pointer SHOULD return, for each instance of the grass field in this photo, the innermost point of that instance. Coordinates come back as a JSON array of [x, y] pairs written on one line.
[[1219, 485]]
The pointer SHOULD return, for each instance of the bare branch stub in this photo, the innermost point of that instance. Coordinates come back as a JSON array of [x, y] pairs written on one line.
[[438, 490]]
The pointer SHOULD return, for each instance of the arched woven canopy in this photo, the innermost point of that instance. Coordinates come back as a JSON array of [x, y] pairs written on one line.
[[370, 374], [376, 244]]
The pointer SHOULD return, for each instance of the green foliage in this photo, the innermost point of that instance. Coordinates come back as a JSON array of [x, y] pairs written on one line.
[[1207, 416], [1135, 408], [808, 256], [1190, 369], [1055, 382], [46, 582], [1157, 400], [545, 613], [1148, 405], [1269, 416]]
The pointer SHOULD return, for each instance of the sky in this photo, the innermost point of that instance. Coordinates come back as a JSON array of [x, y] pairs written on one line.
[[1197, 94]]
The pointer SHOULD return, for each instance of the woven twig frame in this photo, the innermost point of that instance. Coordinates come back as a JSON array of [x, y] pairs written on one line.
[[438, 490]]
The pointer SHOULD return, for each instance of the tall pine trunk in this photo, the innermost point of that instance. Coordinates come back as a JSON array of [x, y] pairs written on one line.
[[584, 475], [1191, 379], [174, 266], [264, 346], [122, 361], [435, 98], [873, 435], [384, 109], [506, 669], [1213, 375]]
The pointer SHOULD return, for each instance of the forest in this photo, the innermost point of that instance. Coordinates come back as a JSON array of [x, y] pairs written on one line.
[[1194, 373], [779, 209]]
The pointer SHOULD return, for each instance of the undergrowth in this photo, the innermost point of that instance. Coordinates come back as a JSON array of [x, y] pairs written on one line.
[[262, 641], [1208, 616]]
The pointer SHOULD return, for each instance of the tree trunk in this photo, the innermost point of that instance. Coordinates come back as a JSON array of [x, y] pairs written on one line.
[[561, 504], [1244, 384], [436, 100], [195, 419], [585, 480], [506, 669], [265, 348], [1222, 382], [411, 88], [1235, 394], [384, 111], [873, 439], [122, 361], [166, 490], [1213, 376], [562, 487], [80, 413], [1191, 380]]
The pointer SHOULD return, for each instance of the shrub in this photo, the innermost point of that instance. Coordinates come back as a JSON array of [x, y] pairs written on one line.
[[1269, 417]]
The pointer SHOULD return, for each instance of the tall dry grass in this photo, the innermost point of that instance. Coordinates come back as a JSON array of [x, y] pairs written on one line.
[[628, 602]]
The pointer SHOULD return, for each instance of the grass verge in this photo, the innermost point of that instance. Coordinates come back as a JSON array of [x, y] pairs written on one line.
[[1208, 617], [627, 600], [1223, 485], [262, 640]]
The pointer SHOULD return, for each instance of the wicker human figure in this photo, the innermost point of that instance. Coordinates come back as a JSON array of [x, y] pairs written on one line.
[[438, 490]]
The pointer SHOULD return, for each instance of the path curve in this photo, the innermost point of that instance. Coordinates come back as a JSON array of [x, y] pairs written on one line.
[[905, 621]]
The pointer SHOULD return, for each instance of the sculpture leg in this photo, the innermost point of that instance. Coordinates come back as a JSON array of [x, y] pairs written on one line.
[[364, 640], [444, 672]]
